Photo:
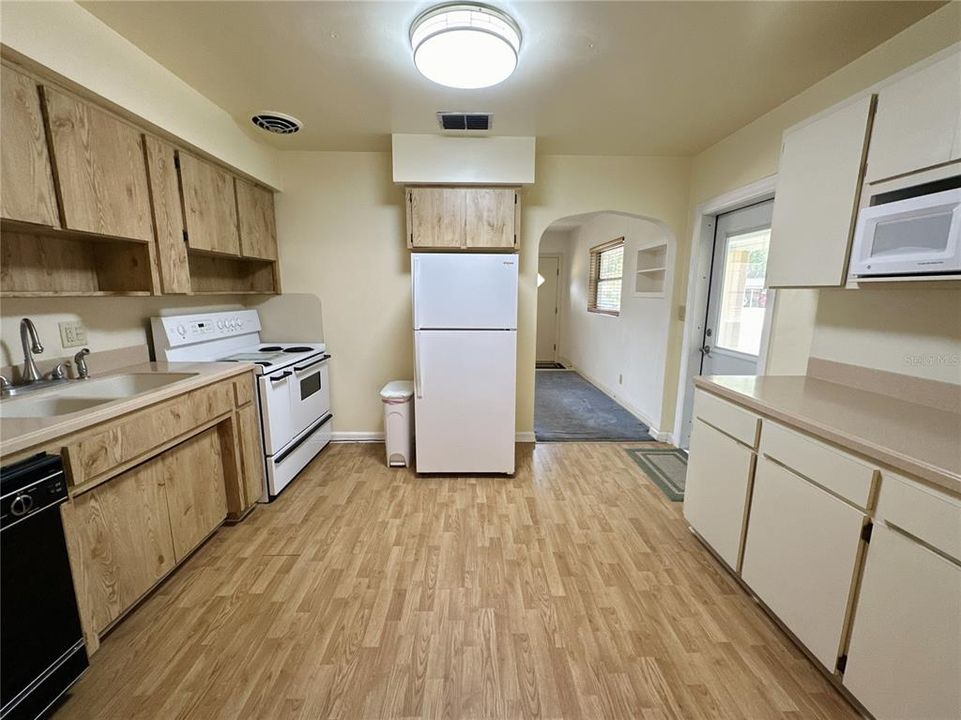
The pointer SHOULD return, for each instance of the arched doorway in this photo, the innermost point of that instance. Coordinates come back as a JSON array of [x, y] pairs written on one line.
[[602, 327]]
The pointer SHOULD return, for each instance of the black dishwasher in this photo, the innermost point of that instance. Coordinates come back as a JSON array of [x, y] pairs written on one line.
[[41, 644]]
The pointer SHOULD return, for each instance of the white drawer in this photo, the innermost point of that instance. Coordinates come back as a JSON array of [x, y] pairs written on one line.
[[929, 514], [843, 474], [727, 417]]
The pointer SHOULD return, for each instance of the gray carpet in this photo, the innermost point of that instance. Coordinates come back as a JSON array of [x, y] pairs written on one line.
[[666, 467], [568, 407]]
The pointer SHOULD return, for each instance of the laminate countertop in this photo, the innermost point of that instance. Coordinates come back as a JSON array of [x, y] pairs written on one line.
[[915, 439], [21, 433]]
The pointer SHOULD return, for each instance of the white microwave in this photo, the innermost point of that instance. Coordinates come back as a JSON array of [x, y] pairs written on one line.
[[915, 236]]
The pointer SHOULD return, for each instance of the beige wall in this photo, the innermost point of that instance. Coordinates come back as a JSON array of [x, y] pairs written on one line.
[[341, 221], [623, 355], [65, 38], [752, 153]]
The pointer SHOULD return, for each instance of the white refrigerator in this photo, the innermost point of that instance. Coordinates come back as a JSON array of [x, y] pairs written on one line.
[[465, 361]]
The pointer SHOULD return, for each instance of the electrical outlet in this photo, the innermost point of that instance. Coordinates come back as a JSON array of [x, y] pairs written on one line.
[[72, 334]]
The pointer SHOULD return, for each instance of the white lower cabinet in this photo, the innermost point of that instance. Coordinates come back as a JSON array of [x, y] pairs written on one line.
[[800, 555], [904, 660], [718, 483]]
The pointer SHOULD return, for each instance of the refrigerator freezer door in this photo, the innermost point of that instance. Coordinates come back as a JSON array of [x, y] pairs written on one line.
[[464, 401], [464, 291]]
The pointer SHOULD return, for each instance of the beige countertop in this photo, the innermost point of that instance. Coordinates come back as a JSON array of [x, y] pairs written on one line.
[[912, 438], [21, 433]]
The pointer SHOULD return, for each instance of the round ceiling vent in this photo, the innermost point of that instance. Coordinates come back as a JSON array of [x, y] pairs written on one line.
[[276, 122]]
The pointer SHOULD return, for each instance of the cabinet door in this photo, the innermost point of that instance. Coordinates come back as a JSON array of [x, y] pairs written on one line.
[[258, 230], [490, 218], [100, 169], [917, 121], [436, 217], [210, 206], [904, 660], [251, 453], [168, 216], [193, 475], [718, 485], [27, 180], [119, 536], [800, 554], [815, 203]]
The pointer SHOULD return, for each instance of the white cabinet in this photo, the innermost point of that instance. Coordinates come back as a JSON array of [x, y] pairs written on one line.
[[904, 660], [718, 484], [918, 121], [815, 203], [800, 555]]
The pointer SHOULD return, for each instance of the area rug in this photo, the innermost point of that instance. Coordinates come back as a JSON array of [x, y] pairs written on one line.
[[568, 408], [666, 467]]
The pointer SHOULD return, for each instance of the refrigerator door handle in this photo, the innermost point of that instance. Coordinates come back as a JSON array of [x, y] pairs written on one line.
[[418, 383], [415, 266]]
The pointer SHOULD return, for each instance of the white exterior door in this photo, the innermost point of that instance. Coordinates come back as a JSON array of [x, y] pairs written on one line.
[[737, 301], [464, 291], [464, 385], [548, 310]]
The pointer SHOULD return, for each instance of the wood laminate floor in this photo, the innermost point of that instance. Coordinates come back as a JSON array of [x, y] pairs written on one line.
[[573, 590]]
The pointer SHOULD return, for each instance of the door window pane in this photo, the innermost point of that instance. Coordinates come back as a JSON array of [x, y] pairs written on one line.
[[743, 296]]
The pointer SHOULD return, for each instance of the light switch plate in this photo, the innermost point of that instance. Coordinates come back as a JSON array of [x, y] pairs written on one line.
[[72, 334]]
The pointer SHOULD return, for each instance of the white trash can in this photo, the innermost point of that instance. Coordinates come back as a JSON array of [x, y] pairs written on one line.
[[398, 399]]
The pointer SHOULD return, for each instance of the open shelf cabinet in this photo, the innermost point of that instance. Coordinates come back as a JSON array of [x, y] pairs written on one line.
[[650, 271]]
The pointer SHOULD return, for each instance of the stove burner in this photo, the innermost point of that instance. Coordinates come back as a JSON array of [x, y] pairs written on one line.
[[270, 348], [298, 349]]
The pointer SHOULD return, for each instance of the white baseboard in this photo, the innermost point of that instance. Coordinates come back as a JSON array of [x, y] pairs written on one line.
[[524, 437], [357, 437]]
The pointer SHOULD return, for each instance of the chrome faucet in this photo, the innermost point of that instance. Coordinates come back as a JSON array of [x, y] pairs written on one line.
[[31, 345], [80, 362]]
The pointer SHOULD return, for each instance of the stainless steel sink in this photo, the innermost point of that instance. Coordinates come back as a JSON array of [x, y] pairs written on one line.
[[84, 394]]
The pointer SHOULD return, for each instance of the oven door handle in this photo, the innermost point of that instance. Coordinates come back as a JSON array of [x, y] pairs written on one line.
[[278, 378], [324, 359]]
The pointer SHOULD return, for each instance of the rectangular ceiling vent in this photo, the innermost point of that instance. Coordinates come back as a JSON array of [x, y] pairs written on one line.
[[465, 120]]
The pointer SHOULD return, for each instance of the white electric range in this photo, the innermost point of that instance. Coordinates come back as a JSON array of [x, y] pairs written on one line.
[[292, 383]]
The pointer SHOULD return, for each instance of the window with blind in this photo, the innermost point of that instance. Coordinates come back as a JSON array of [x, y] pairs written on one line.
[[607, 272]]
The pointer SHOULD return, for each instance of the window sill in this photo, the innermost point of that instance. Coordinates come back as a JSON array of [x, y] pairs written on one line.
[[609, 313]]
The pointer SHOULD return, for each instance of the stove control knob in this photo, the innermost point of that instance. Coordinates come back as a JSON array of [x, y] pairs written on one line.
[[220, 324], [181, 331], [240, 323]]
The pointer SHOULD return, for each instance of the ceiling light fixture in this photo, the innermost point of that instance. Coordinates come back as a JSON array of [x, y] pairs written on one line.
[[463, 45]]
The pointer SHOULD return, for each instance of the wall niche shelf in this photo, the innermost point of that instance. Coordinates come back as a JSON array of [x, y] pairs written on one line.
[[650, 271]]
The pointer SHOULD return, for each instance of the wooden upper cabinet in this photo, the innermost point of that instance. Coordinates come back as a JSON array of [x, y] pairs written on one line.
[[918, 121], [27, 180], [491, 218], [168, 216], [100, 169], [258, 228], [462, 218], [210, 206], [818, 191]]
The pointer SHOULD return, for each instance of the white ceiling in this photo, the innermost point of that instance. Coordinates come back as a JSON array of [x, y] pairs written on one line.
[[631, 78]]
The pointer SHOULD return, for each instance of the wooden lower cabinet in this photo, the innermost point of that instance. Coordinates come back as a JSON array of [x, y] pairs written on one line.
[[717, 489], [251, 453], [193, 476], [800, 556], [120, 542], [127, 533], [904, 660]]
